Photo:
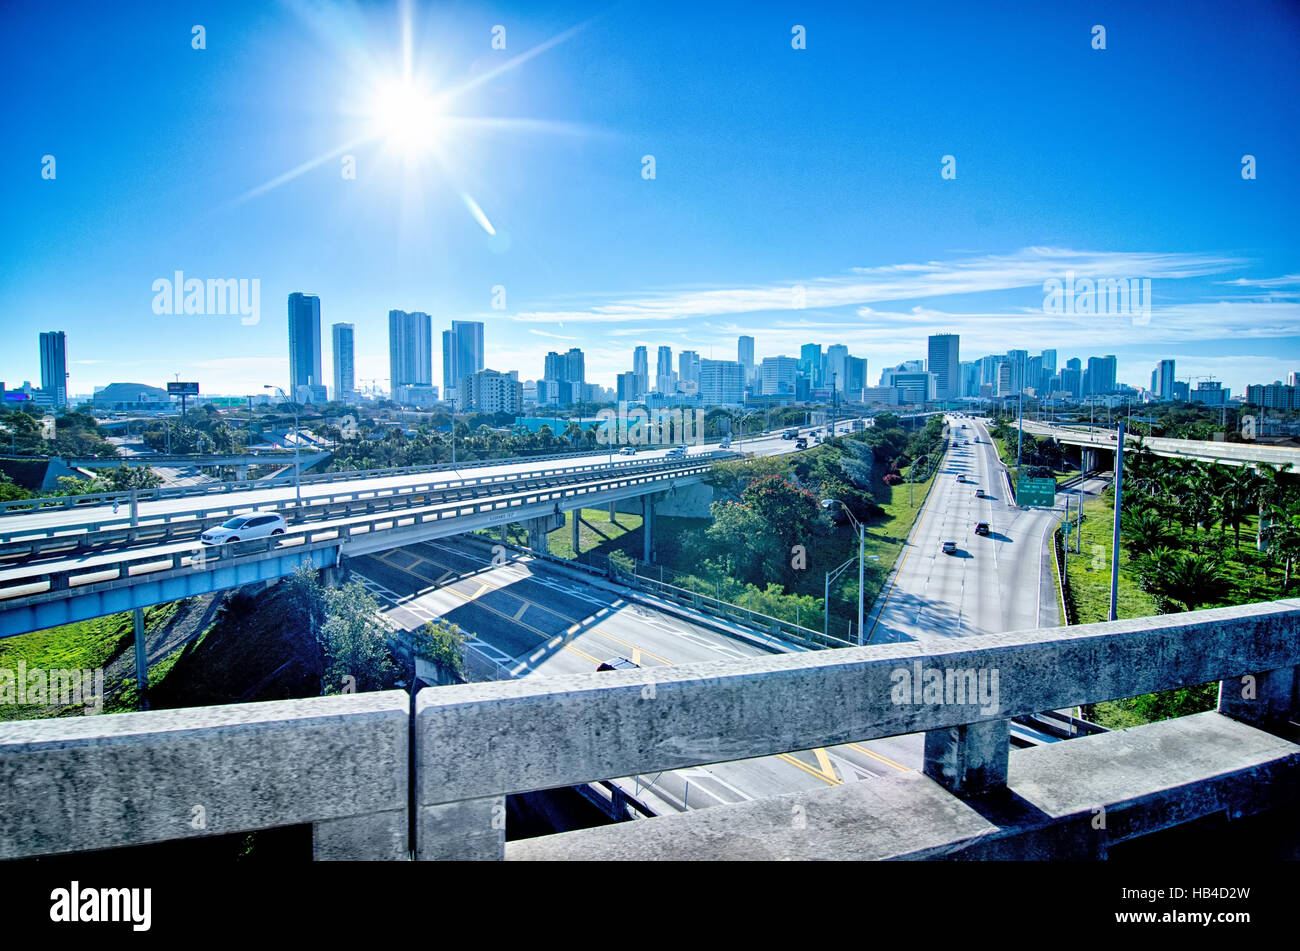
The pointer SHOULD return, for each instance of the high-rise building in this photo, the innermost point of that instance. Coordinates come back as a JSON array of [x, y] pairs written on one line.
[[490, 391], [554, 368], [626, 388], [745, 356], [1018, 360], [665, 381], [1211, 393], [462, 353], [641, 367], [1162, 380], [1074, 363], [54, 368], [304, 349], [575, 366], [855, 369], [837, 359], [1101, 375], [1034, 374], [810, 363], [778, 375], [1049, 362], [345, 373], [970, 378], [722, 382], [410, 356], [914, 386], [945, 364], [1274, 396], [1072, 381], [688, 367]]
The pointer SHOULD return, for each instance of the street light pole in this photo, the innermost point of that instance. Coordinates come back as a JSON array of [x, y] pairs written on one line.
[[297, 467], [862, 550], [1114, 543]]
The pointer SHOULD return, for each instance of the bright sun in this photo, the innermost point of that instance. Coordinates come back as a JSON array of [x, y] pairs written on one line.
[[406, 117]]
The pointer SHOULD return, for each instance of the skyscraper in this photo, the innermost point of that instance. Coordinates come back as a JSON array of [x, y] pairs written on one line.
[[810, 362], [1049, 362], [1018, 361], [575, 366], [855, 369], [304, 348], [462, 353], [778, 375], [1162, 380], [664, 379], [410, 354], [837, 366], [945, 364], [641, 367], [1101, 375], [745, 355], [344, 361], [688, 367], [54, 367]]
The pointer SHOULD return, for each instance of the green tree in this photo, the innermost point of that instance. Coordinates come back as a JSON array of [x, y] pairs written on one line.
[[354, 641], [443, 643]]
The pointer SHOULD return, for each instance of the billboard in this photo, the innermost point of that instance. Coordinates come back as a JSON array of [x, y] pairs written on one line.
[[182, 389]]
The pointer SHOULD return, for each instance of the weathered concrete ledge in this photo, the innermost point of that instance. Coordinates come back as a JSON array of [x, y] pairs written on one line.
[[1071, 800], [81, 783], [486, 739]]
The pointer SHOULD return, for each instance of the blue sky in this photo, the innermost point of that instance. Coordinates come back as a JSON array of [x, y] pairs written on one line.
[[775, 169]]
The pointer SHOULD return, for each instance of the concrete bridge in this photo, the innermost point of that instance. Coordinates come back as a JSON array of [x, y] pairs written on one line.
[[65, 573], [346, 765], [1098, 448]]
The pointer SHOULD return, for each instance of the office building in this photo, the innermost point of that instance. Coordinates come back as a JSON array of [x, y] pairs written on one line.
[[641, 367], [778, 375], [914, 387], [625, 390], [837, 369], [855, 370], [1049, 362], [306, 385], [722, 382], [344, 361], [811, 362], [688, 368], [745, 356], [410, 356], [945, 364], [1274, 396], [665, 379], [1072, 381], [54, 368]]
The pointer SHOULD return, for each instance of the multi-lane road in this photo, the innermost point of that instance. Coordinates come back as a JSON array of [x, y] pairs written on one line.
[[530, 619], [1002, 581]]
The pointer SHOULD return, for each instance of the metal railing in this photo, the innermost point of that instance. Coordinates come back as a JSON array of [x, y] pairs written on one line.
[[339, 534]]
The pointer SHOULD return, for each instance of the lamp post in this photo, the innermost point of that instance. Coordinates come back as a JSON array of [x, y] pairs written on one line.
[[297, 469], [829, 505]]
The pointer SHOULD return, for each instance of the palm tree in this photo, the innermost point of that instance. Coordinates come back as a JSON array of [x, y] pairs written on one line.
[[1282, 536], [1145, 531], [1183, 577], [1271, 488]]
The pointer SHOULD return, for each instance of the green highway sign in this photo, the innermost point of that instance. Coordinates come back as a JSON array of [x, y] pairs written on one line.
[[1036, 492]]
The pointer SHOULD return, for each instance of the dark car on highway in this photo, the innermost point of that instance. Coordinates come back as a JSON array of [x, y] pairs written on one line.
[[981, 528]]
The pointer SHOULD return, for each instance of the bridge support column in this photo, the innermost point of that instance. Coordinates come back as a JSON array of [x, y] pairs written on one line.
[[241, 473], [474, 829], [970, 759], [141, 661], [647, 527], [539, 528], [575, 517], [1267, 700], [1089, 459]]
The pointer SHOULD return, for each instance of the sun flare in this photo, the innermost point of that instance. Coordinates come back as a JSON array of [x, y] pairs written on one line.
[[406, 117]]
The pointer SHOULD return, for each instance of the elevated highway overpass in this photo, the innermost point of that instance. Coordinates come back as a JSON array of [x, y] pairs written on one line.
[[1102, 444]]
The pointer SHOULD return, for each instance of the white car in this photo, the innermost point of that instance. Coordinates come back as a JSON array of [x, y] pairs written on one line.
[[675, 453], [627, 451], [243, 527]]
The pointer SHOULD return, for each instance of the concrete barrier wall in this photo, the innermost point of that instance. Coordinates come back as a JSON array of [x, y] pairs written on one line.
[[340, 763], [344, 764]]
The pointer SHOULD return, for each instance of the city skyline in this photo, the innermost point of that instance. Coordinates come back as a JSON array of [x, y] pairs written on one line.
[[518, 224]]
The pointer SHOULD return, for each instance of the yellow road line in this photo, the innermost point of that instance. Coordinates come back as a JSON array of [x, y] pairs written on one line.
[[874, 755], [824, 762], [808, 769], [636, 656]]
